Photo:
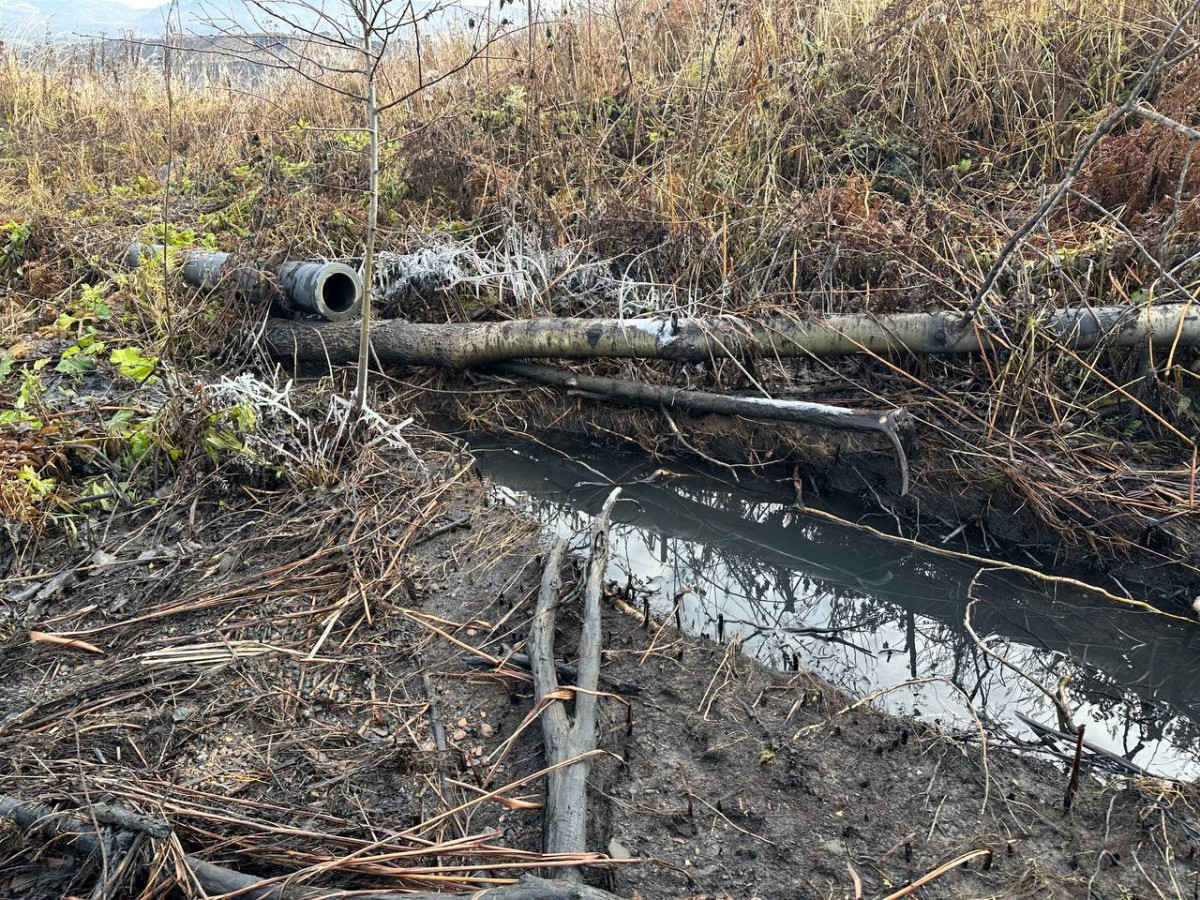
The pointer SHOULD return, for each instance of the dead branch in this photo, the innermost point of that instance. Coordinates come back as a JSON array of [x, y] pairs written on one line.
[[1114, 118], [565, 819], [824, 415], [1050, 735], [1065, 717], [940, 871], [80, 836]]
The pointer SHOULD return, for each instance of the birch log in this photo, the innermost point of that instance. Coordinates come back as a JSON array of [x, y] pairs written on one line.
[[467, 345], [824, 415]]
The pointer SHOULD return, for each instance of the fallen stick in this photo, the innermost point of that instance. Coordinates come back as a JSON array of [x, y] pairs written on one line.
[[473, 344], [80, 837], [566, 673], [939, 872], [1125, 765], [47, 638], [564, 822], [887, 422]]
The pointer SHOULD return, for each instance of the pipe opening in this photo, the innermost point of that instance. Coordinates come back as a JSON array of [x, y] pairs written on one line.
[[339, 292]]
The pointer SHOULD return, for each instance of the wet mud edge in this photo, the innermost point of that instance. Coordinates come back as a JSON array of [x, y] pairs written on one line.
[[742, 781], [997, 519]]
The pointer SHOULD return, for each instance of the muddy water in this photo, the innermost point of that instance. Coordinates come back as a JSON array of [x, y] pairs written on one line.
[[869, 615]]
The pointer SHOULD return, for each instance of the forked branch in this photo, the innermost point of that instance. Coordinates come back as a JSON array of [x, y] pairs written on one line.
[[565, 819]]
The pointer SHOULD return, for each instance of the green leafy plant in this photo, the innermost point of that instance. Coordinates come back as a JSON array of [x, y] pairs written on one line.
[[354, 141], [14, 246], [81, 358], [176, 238], [39, 488], [31, 387], [143, 436], [132, 363], [225, 432], [18, 417]]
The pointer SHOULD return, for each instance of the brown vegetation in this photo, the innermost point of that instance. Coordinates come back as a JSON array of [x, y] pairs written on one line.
[[843, 156], [755, 159]]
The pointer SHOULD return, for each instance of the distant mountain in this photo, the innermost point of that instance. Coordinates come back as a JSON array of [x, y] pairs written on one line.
[[77, 20], [34, 20]]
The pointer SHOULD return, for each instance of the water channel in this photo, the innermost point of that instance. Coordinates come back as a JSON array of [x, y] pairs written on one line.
[[867, 614]]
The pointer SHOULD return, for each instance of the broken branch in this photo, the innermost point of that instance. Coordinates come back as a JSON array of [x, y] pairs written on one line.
[[886, 422], [565, 818], [81, 837]]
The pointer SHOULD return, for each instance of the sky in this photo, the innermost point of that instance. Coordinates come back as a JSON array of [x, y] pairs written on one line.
[[142, 4]]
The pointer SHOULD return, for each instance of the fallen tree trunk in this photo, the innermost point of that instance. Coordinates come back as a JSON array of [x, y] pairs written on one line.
[[467, 345], [80, 837], [887, 422], [564, 823]]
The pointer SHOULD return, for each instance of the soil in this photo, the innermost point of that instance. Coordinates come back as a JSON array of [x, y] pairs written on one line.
[[721, 778]]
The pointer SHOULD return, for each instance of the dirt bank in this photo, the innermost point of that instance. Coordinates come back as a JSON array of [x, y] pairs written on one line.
[[999, 505], [759, 784], [261, 686]]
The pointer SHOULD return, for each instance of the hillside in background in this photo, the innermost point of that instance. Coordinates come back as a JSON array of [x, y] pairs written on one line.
[[34, 19], [67, 19]]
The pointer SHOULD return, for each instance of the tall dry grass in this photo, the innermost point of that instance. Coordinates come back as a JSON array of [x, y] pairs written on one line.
[[696, 121], [746, 156]]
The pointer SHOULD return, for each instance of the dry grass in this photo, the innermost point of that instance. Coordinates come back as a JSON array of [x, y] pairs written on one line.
[[737, 158], [759, 157]]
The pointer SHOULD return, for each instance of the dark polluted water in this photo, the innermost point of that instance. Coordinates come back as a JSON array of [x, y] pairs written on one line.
[[870, 615]]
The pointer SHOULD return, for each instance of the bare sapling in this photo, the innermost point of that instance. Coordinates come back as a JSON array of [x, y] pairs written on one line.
[[342, 47]]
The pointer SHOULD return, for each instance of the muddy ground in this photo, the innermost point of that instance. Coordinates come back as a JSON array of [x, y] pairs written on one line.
[[257, 680]]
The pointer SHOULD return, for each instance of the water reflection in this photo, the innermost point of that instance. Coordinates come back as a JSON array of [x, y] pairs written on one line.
[[868, 614]]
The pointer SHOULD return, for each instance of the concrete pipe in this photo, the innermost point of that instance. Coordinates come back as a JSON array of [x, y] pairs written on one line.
[[331, 290]]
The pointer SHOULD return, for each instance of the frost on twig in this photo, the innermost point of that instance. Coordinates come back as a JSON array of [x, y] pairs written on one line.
[[383, 433], [523, 273], [278, 432]]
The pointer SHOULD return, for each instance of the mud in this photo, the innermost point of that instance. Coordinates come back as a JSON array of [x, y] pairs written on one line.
[[744, 782], [723, 777]]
